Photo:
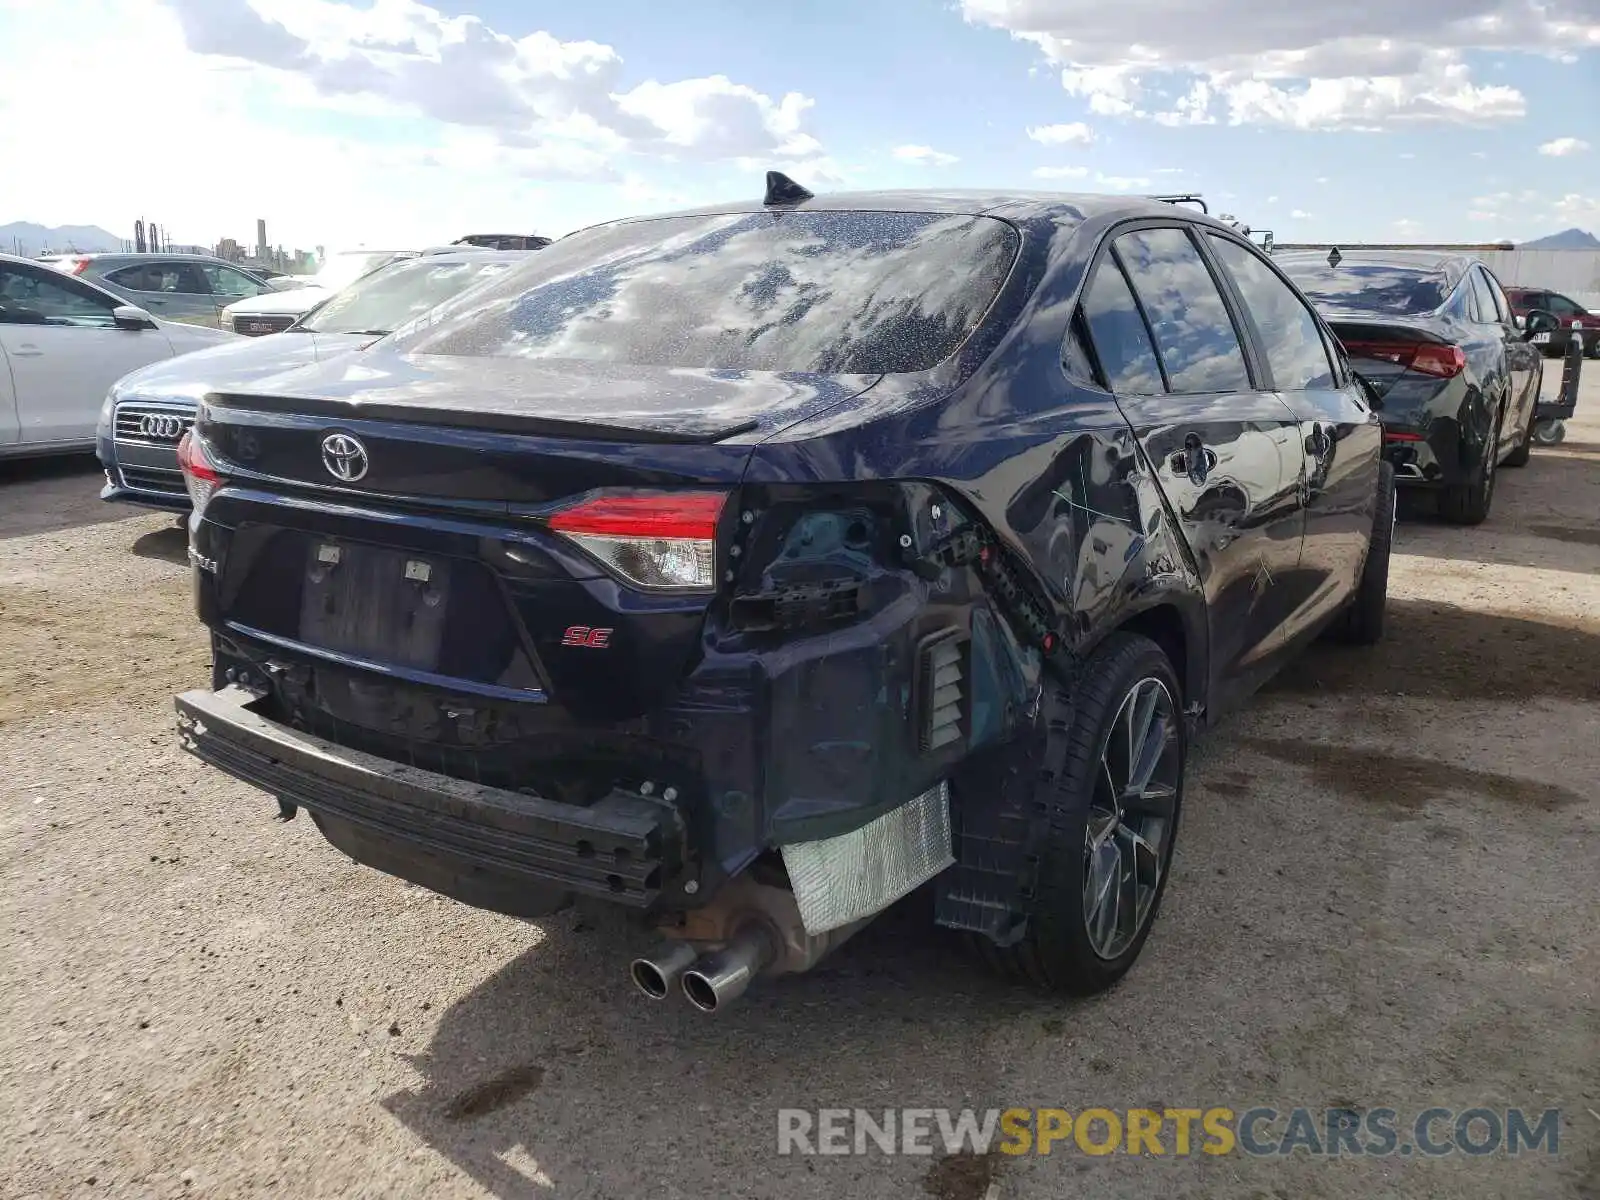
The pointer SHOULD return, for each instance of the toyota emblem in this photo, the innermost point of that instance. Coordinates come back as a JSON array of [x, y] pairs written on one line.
[[344, 456], [161, 427]]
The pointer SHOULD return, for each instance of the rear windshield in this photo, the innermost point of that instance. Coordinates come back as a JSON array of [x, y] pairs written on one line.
[[391, 296], [828, 292], [1370, 287]]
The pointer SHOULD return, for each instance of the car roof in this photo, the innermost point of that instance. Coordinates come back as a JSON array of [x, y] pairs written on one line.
[[1063, 207], [149, 256], [1421, 260], [467, 254]]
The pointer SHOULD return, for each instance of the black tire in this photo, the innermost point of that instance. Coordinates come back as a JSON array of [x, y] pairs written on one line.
[[1469, 503], [1362, 623], [1519, 457], [1055, 952]]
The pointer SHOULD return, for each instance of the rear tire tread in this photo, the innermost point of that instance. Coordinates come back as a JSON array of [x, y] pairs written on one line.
[[1061, 792]]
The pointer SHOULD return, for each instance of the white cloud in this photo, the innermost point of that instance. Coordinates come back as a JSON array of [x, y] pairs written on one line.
[[244, 139], [925, 156], [1061, 172], [1122, 183], [1300, 214], [1299, 66], [530, 92], [1574, 209], [1074, 134], [1562, 147], [1408, 226]]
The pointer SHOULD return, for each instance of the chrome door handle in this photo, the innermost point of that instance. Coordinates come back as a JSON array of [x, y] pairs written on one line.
[[1195, 460]]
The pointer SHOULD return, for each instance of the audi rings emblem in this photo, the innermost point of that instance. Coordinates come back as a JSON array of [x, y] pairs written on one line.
[[161, 427], [344, 456]]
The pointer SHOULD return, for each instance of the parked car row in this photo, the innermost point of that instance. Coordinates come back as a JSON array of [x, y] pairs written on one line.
[[191, 288], [63, 342], [148, 411], [752, 566]]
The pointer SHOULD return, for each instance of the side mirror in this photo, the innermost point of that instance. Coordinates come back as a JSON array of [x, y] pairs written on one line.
[[1539, 321], [132, 318]]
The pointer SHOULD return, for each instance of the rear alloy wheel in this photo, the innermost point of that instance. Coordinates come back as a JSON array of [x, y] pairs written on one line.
[[1469, 503], [1111, 818], [1362, 623]]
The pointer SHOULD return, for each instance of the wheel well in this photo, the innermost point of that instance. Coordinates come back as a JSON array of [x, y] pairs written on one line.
[[1163, 625]]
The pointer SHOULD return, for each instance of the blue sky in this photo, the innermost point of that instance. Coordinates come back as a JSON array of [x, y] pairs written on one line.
[[373, 121]]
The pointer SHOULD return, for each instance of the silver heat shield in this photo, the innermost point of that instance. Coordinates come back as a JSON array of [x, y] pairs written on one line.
[[843, 879]]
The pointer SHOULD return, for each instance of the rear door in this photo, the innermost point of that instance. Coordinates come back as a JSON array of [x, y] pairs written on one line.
[[1486, 353], [1223, 449], [175, 290], [1340, 442], [65, 351], [1523, 362]]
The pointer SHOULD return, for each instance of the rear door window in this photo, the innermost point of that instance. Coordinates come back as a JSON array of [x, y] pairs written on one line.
[[1499, 293], [826, 292], [169, 278], [1289, 333], [1193, 330], [1483, 298], [1121, 340]]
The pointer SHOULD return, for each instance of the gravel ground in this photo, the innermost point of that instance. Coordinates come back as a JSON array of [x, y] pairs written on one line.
[[1387, 893]]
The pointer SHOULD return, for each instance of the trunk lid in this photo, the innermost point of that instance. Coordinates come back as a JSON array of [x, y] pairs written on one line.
[[506, 433], [1382, 348], [427, 569]]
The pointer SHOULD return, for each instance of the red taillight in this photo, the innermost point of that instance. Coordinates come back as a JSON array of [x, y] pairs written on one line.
[[78, 264], [199, 472], [1427, 358], [1401, 435], [1442, 362], [655, 540]]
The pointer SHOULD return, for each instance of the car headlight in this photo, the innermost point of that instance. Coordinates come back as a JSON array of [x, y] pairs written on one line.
[[103, 425], [227, 318]]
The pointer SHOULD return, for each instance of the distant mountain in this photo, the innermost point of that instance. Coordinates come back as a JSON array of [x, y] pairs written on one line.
[[28, 239], [1571, 239]]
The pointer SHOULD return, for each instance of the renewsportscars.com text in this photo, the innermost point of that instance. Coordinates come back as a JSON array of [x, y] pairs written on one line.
[[1178, 1132]]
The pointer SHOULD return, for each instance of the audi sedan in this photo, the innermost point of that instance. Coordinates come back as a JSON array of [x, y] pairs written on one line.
[[146, 413]]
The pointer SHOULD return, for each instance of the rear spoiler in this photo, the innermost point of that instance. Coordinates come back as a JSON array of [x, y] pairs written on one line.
[[691, 433]]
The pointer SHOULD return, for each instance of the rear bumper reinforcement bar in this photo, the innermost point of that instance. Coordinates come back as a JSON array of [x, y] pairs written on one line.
[[617, 849]]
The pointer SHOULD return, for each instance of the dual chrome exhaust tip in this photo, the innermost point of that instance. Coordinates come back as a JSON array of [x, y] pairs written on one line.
[[710, 981]]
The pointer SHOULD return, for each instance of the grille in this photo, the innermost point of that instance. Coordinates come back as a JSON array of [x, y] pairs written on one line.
[[942, 685], [252, 326], [149, 425], [153, 479]]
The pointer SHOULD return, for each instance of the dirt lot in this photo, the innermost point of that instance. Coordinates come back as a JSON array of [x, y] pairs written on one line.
[[1387, 894]]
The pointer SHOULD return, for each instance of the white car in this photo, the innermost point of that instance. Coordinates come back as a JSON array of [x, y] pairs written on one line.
[[63, 342], [273, 312]]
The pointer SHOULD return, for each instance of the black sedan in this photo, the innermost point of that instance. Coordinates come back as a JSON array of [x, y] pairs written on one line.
[[1452, 376]]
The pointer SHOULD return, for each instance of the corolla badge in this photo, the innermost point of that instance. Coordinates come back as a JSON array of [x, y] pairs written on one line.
[[345, 457]]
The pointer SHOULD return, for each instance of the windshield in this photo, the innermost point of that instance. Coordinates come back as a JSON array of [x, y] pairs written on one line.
[[388, 298], [343, 269], [1369, 286], [857, 292]]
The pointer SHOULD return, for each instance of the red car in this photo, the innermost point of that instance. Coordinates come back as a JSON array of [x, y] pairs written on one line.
[[1569, 312]]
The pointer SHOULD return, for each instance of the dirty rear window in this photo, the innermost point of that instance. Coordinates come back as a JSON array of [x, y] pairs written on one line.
[[1369, 286], [830, 292]]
